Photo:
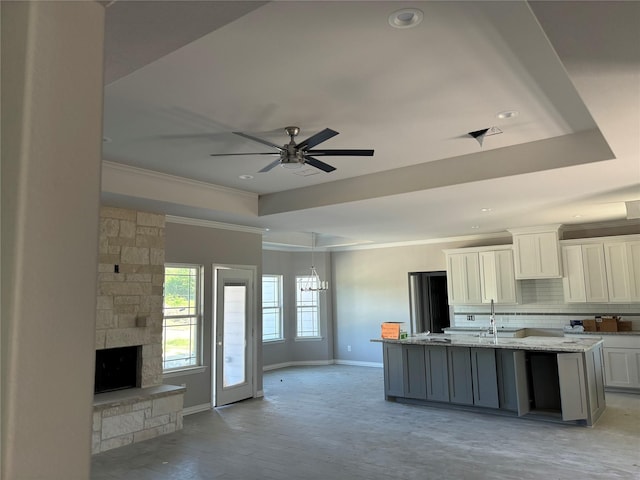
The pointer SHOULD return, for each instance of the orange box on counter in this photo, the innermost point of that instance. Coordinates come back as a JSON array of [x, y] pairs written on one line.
[[589, 325], [393, 330]]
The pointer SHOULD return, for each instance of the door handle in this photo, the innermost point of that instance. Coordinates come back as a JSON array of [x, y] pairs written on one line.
[[219, 344]]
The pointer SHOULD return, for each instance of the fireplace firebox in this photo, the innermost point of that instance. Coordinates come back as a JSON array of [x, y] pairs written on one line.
[[117, 369]]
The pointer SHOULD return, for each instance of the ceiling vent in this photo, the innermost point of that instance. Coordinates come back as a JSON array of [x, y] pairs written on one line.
[[485, 132]]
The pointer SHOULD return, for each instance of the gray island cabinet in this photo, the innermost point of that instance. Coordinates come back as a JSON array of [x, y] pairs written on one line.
[[548, 378]]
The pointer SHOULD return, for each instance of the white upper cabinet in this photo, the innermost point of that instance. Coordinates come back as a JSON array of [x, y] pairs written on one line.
[[537, 253], [479, 275], [463, 278], [497, 276], [585, 275], [623, 268]]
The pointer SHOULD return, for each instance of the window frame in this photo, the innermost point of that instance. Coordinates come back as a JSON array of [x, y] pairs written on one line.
[[197, 364], [299, 281], [279, 307]]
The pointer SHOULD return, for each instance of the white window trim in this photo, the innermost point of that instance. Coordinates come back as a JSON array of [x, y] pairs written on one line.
[[304, 338], [282, 337], [199, 367]]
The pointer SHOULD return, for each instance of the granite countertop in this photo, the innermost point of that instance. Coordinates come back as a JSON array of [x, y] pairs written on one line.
[[633, 332], [479, 329], [548, 344]]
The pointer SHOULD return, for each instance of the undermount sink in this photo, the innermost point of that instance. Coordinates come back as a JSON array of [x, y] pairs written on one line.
[[441, 340]]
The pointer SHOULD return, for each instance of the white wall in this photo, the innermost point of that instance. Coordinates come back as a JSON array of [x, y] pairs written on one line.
[[51, 140]]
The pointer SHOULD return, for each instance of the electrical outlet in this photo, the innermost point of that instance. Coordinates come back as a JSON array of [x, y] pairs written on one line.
[[471, 318], [348, 348]]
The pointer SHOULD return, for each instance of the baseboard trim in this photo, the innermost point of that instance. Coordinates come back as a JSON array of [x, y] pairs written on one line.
[[358, 364], [302, 363], [196, 409], [354, 363]]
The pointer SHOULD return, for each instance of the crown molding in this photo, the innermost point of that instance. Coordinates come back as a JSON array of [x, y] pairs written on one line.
[[211, 224], [165, 177]]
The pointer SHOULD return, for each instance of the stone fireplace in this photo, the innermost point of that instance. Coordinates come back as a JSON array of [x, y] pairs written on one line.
[[117, 369], [132, 405]]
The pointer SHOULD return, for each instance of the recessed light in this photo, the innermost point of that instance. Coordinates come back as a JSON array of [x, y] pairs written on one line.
[[475, 227], [406, 18], [577, 216], [507, 114], [485, 209], [246, 177]]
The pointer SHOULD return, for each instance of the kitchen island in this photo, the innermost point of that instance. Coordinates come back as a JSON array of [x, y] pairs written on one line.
[[546, 378]]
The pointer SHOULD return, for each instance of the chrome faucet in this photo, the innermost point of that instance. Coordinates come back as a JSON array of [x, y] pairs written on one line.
[[493, 330]]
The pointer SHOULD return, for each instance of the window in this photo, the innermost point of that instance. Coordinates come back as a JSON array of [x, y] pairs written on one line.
[[272, 308], [308, 325], [182, 316]]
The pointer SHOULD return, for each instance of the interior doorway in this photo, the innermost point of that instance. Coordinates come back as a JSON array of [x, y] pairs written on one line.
[[429, 303]]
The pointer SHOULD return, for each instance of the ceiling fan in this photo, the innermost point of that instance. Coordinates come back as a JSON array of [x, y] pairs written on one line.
[[294, 154]]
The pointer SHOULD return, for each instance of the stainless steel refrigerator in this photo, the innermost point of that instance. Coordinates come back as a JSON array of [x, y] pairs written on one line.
[[428, 301]]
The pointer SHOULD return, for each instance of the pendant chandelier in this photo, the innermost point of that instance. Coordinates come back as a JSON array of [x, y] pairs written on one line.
[[313, 282]]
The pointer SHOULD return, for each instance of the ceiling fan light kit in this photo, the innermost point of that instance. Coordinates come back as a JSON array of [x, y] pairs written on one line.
[[292, 155]]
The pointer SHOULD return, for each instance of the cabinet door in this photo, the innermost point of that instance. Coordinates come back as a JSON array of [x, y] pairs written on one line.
[[393, 370], [536, 255], [463, 278], [573, 271], [595, 274], [513, 387], [414, 372], [633, 261], [573, 391], [622, 367], [485, 379], [622, 261], [437, 373], [460, 380], [619, 276], [505, 277]]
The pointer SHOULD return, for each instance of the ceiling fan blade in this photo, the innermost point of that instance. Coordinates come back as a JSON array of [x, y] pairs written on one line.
[[316, 139], [314, 162], [229, 154], [344, 153], [270, 166], [259, 140]]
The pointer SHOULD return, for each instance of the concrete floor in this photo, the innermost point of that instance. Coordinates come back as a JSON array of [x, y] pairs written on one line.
[[332, 422]]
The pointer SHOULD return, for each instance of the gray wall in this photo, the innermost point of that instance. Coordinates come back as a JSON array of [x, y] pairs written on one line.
[[208, 246], [51, 141], [372, 287], [290, 264]]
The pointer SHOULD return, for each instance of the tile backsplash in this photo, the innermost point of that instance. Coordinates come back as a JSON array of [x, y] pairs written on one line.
[[542, 306]]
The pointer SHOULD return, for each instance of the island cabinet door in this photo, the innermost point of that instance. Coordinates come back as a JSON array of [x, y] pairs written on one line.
[[513, 386], [573, 391], [415, 385], [485, 378], [393, 370], [460, 380], [436, 367]]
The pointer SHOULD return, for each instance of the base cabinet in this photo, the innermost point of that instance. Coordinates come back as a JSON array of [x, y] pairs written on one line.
[[485, 378], [622, 368], [567, 386], [393, 370], [437, 370]]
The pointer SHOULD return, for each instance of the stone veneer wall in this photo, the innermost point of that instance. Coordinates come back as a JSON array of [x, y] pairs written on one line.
[[130, 298], [130, 301]]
